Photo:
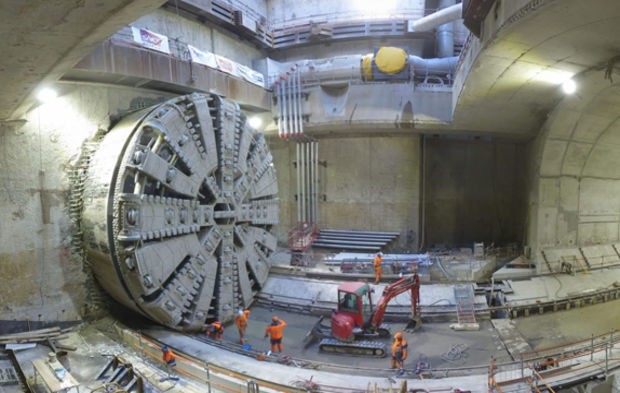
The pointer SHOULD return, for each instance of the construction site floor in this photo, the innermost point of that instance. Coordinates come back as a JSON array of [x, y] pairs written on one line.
[[435, 344]]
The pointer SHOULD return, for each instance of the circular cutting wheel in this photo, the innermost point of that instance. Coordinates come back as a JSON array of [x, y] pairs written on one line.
[[179, 202]]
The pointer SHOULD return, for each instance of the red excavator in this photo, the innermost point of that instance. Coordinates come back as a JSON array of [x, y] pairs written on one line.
[[356, 320]]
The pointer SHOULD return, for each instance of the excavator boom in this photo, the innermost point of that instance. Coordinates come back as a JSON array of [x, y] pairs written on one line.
[[409, 283]]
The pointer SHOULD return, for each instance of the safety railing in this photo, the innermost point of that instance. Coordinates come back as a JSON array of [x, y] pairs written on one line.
[[301, 236], [544, 368]]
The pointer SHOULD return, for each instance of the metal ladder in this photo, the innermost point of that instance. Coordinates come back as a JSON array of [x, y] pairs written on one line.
[[464, 296]]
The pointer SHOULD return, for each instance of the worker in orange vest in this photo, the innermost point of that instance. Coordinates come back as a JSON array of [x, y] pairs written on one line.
[[215, 330], [399, 351], [275, 331], [377, 265], [170, 360], [242, 323]]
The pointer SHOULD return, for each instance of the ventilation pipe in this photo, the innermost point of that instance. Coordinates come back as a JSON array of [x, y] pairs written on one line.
[[436, 19], [348, 68], [445, 33], [325, 71]]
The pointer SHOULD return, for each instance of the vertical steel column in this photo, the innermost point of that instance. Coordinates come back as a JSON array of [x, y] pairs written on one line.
[[299, 96], [303, 182], [316, 182], [310, 183], [298, 183], [307, 149], [279, 106], [289, 102], [293, 97], [285, 125]]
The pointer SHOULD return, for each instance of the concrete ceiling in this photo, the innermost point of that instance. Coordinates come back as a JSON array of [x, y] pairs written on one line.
[[514, 83], [43, 39]]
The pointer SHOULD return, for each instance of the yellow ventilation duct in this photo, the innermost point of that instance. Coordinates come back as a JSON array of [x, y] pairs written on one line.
[[390, 60]]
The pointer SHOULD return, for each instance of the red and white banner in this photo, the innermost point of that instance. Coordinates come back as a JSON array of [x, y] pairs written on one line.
[[198, 56], [151, 40]]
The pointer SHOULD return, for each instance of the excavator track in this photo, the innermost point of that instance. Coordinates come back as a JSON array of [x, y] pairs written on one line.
[[356, 348]]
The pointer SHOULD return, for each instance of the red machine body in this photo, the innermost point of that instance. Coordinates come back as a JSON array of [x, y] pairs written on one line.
[[356, 315]]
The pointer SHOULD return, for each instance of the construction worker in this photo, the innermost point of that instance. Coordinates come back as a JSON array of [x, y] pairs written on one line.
[[242, 323], [377, 265], [275, 331], [215, 331], [169, 359], [399, 351]]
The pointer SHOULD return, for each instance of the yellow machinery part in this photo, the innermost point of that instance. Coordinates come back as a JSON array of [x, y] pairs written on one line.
[[390, 60]]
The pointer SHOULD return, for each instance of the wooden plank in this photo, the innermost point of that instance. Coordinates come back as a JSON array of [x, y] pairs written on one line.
[[45, 371]]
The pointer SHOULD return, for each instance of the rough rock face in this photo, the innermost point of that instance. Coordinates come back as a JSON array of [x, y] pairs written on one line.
[[178, 205]]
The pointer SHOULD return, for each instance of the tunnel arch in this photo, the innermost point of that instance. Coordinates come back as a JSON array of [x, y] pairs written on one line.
[[575, 188]]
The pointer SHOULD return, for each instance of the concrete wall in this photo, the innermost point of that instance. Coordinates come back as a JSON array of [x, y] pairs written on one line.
[[576, 189], [297, 12], [283, 152], [204, 37], [42, 279], [368, 183], [474, 191]]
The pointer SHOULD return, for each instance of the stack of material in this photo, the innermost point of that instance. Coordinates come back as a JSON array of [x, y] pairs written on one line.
[[354, 240], [352, 262], [31, 336]]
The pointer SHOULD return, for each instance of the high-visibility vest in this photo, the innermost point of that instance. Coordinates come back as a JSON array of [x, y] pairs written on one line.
[[275, 331]]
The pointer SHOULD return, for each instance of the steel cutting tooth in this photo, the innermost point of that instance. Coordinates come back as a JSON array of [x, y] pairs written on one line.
[[169, 228]]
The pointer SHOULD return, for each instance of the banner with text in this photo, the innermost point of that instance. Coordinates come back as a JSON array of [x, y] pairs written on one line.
[[151, 40]]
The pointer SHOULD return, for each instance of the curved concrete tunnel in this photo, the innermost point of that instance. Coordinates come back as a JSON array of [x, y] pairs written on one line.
[[578, 172], [570, 200]]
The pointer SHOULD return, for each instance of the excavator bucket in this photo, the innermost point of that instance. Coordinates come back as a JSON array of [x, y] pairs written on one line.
[[414, 324], [318, 331]]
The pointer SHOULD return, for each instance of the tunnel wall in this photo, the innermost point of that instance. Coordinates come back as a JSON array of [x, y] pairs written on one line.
[[474, 192], [366, 183], [574, 196], [42, 277], [202, 36]]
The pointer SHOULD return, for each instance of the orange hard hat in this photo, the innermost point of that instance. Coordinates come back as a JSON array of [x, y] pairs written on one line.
[[398, 336]]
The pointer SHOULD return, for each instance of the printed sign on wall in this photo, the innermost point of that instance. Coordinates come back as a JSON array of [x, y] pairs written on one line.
[[202, 57], [151, 40]]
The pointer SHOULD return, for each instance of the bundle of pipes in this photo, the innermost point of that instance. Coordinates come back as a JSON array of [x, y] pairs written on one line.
[[287, 89]]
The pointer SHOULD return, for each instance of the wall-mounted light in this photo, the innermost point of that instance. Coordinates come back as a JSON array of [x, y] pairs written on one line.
[[46, 94], [255, 121], [569, 86]]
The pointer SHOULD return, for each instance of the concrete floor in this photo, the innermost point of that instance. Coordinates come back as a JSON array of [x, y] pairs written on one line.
[[434, 344]]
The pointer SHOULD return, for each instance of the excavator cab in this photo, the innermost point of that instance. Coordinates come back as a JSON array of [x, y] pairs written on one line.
[[354, 310]]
